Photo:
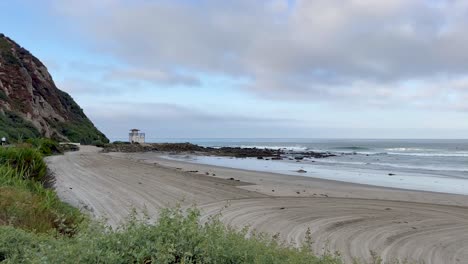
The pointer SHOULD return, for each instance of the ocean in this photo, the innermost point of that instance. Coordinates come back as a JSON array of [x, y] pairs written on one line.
[[438, 165]]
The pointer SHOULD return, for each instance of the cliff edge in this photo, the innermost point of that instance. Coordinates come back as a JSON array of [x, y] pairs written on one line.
[[31, 105]]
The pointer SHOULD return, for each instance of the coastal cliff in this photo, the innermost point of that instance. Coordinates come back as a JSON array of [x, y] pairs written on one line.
[[31, 105]]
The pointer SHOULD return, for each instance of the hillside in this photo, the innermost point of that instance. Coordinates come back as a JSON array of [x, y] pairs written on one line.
[[31, 105]]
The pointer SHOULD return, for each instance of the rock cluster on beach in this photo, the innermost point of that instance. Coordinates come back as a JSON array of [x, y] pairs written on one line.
[[274, 154], [310, 154], [170, 147], [244, 152]]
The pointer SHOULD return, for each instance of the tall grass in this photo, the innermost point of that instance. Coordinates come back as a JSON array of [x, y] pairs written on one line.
[[177, 237], [27, 162], [45, 146], [24, 201]]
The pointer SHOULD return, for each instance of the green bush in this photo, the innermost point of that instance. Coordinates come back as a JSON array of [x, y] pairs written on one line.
[[14, 127], [27, 162], [98, 143], [20, 207], [24, 201], [29, 205], [45, 146], [82, 132], [121, 142], [177, 237]]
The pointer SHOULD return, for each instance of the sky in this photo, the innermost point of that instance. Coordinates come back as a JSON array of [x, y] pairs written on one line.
[[255, 69]]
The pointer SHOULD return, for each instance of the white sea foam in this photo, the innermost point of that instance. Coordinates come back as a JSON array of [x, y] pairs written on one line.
[[289, 148], [406, 180], [401, 149], [392, 165], [435, 154], [425, 152]]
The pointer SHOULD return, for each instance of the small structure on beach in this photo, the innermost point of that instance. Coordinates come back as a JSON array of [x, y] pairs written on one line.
[[135, 136]]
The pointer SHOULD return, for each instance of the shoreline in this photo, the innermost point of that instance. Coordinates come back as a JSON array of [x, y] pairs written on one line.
[[350, 218], [337, 188], [400, 172], [416, 180]]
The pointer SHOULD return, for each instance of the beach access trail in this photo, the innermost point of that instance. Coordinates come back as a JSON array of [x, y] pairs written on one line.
[[350, 218]]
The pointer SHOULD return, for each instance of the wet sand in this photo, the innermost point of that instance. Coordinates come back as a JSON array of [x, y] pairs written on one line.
[[353, 219]]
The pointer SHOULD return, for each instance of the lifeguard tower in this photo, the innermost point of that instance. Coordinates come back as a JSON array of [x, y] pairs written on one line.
[[135, 136]]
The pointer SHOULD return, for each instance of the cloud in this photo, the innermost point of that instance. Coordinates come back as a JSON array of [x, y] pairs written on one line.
[[158, 119], [166, 111], [152, 76], [78, 86], [107, 72], [372, 52]]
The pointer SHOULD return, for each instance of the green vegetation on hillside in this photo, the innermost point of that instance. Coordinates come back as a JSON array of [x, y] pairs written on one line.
[[79, 128], [14, 127], [5, 52], [29, 87], [82, 132]]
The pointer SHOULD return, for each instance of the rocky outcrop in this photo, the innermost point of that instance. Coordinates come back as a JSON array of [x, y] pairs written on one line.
[[30, 103], [259, 153], [169, 147], [189, 147]]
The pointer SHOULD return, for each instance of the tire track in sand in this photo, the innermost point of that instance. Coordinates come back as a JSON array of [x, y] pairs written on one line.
[[110, 187], [414, 231]]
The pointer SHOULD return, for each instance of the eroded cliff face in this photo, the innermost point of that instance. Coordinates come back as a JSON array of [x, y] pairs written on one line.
[[31, 104]]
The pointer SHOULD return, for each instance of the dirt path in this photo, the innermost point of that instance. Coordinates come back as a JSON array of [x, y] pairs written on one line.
[[353, 219]]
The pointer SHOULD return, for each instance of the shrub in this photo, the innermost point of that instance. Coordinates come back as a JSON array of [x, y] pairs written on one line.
[[177, 237], [28, 205], [24, 201], [27, 162], [98, 143], [45, 146], [82, 131], [22, 208], [14, 127], [121, 142]]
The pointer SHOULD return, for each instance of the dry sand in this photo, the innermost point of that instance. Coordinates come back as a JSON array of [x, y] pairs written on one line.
[[353, 219]]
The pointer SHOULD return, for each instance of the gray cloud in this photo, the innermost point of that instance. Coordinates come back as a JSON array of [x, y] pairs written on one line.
[[376, 52], [152, 76], [179, 121], [134, 75], [77, 86], [176, 121], [166, 112]]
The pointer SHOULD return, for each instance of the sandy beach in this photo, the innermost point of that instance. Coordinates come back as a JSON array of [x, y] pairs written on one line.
[[350, 218]]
